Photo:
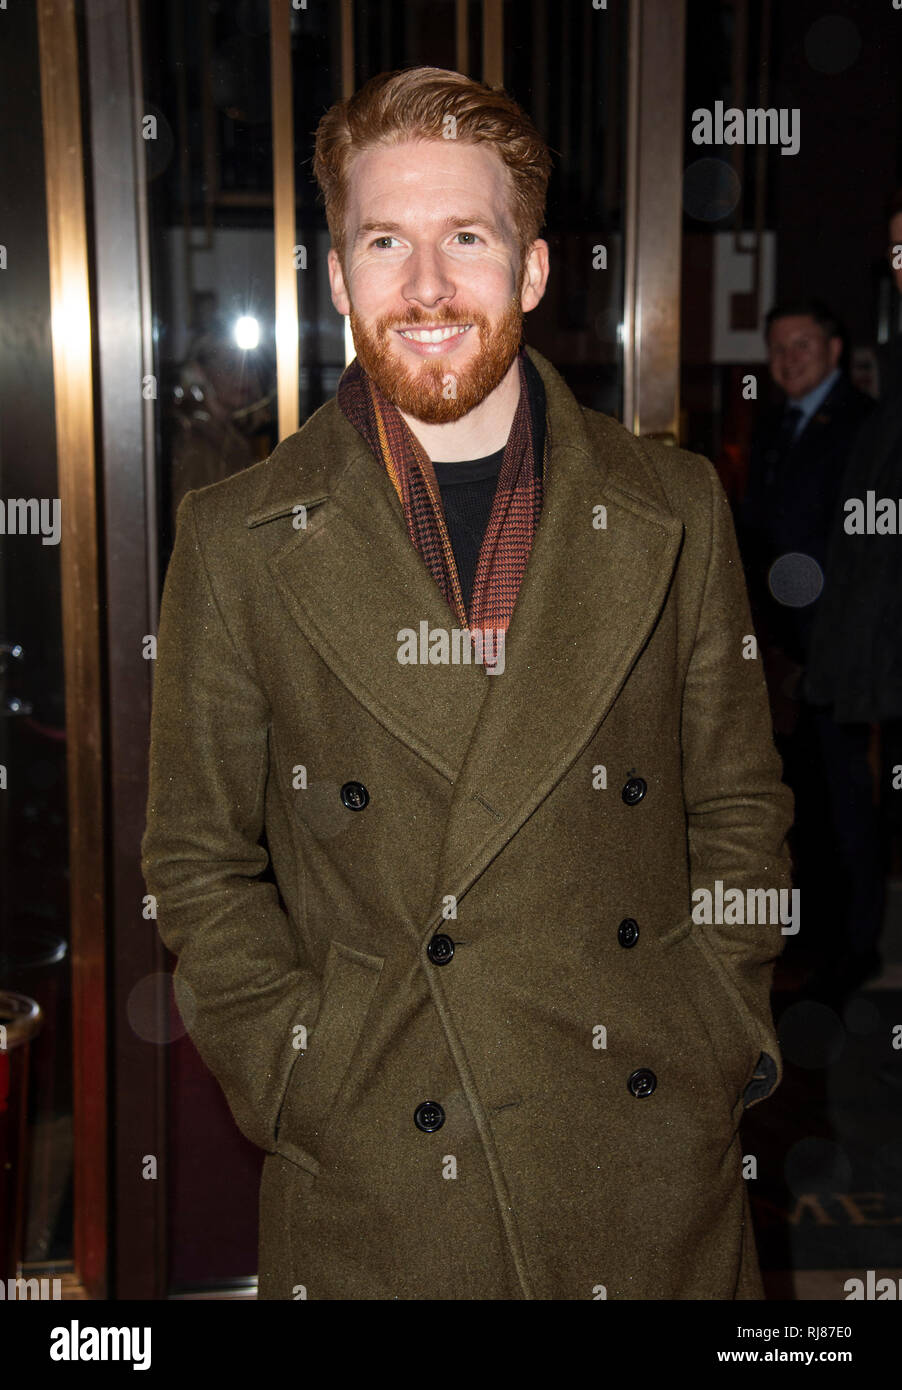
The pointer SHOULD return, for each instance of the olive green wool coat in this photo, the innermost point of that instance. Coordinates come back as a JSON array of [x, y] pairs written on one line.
[[496, 815]]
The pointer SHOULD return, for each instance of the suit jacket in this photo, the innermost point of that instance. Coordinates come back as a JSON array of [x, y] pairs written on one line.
[[545, 1104], [790, 505], [855, 658]]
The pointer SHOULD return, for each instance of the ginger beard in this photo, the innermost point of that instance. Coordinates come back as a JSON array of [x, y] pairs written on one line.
[[423, 388]]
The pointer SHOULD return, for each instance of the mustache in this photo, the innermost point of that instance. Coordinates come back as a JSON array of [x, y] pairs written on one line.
[[423, 320]]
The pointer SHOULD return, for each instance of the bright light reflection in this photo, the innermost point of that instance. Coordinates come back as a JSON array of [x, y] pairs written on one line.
[[247, 333]]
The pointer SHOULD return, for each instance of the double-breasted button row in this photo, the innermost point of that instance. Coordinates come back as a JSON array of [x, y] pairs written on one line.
[[354, 795], [429, 1115]]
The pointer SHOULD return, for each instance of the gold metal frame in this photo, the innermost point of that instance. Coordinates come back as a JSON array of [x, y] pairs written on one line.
[[493, 42], [284, 220], [653, 252], [347, 49], [462, 35], [74, 406]]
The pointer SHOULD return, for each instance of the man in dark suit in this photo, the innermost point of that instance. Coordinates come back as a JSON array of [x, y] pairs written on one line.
[[855, 660], [800, 451]]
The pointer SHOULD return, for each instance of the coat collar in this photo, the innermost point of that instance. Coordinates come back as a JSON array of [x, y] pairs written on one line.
[[351, 580]]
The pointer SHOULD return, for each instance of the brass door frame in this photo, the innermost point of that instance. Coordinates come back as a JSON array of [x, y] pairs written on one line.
[[654, 220], [111, 572], [73, 387], [284, 221]]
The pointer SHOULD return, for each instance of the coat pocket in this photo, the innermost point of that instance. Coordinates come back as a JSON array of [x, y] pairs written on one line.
[[349, 983], [722, 1016]]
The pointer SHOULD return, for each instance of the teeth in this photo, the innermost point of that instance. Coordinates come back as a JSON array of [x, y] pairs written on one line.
[[433, 335]]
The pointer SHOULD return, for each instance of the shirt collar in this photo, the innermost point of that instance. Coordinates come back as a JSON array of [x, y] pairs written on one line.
[[810, 402]]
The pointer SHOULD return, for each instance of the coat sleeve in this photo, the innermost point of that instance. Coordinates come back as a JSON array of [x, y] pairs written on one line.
[[738, 809], [239, 984]]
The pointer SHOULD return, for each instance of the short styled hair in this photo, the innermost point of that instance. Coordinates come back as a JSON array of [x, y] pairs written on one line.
[[415, 104], [806, 308]]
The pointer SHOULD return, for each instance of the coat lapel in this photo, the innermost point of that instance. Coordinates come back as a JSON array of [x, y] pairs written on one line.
[[589, 599], [587, 604], [352, 581]]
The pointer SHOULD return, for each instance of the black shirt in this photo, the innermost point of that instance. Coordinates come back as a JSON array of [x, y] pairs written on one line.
[[468, 491]]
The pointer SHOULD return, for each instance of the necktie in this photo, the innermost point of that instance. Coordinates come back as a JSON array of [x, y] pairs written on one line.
[[788, 425], [778, 452]]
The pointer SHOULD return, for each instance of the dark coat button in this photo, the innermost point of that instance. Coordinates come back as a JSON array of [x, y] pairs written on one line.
[[634, 790], [642, 1082], [440, 949], [354, 795], [628, 932], [429, 1116]]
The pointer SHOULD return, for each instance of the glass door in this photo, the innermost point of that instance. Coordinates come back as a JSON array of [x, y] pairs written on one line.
[[37, 1188]]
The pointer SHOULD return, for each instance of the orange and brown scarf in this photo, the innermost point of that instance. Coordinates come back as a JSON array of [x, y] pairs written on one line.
[[515, 512]]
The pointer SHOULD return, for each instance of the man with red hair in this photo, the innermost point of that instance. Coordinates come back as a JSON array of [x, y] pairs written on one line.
[[458, 725]]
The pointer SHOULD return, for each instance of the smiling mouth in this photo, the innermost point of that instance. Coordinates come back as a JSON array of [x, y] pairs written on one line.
[[434, 335]]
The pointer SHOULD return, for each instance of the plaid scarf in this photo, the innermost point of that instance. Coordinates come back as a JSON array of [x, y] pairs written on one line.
[[515, 510]]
